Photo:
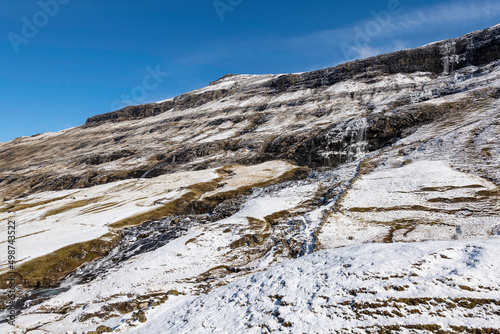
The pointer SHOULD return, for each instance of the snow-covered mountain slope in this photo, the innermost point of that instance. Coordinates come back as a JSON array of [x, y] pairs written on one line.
[[49, 221], [421, 287], [361, 198]]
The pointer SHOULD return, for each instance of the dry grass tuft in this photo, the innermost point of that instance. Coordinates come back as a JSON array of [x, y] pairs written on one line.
[[48, 270]]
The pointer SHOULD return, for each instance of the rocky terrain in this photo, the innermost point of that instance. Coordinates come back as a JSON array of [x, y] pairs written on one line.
[[358, 198]]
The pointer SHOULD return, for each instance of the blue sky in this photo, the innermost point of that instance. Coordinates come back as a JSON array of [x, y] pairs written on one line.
[[63, 61]]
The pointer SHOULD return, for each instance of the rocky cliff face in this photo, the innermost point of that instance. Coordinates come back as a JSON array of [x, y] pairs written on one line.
[[215, 185]]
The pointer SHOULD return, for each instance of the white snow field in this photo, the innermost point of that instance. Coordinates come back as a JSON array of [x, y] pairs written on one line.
[[48, 221], [424, 200], [349, 290]]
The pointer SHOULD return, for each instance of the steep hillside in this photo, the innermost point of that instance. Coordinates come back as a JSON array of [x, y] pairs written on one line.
[[359, 198], [423, 287], [254, 118]]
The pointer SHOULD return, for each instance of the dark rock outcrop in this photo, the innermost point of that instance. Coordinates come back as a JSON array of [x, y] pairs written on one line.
[[184, 101]]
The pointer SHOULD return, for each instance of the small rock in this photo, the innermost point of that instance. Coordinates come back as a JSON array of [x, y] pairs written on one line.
[[156, 302], [131, 306], [496, 230], [103, 329], [143, 305], [141, 316], [172, 293]]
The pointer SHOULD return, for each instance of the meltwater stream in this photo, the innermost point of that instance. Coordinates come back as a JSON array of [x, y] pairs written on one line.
[[134, 241], [346, 142]]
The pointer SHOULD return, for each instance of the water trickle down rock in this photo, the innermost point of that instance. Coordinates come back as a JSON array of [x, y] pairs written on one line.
[[450, 57], [346, 142], [357, 133]]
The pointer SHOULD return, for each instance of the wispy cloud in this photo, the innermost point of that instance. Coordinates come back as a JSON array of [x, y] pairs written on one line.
[[366, 51], [453, 12], [391, 35], [358, 40]]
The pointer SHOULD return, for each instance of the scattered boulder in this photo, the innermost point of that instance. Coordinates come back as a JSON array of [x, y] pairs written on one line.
[[143, 305], [103, 329], [140, 316], [172, 293], [131, 305]]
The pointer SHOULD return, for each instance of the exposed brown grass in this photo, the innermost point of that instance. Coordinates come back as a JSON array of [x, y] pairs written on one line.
[[178, 206], [72, 205], [193, 203], [494, 192], [213, 273], [403, 208], [277, 216], [17, 206], [454, 200], [48, 270], [100, 208], [427, 328], [447, 188]]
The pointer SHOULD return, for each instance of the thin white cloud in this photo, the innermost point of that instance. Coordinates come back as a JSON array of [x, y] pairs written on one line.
[[453, 12], [366, 51], [357, 40], [378, 35]]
